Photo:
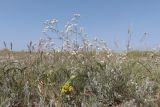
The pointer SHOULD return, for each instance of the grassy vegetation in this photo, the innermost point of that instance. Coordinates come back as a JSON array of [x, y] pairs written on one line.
[[93, 79], [81, 73]]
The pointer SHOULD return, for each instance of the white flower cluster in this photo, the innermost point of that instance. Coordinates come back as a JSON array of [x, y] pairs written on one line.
[[70, 38], [50, 25]]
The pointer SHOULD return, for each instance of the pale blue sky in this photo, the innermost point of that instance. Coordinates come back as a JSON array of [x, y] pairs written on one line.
[[22, 20]]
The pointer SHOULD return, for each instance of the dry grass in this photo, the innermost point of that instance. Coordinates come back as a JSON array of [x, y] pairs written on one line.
[[99, 80]]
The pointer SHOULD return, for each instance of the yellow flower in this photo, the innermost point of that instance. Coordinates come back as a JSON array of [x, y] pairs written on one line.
[[70, 89], [67, 88]]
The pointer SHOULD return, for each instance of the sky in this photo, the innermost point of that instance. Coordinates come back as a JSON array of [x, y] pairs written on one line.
[[21, 21]]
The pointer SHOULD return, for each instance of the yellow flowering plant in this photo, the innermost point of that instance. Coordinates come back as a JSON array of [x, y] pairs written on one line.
[[67, 88]]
